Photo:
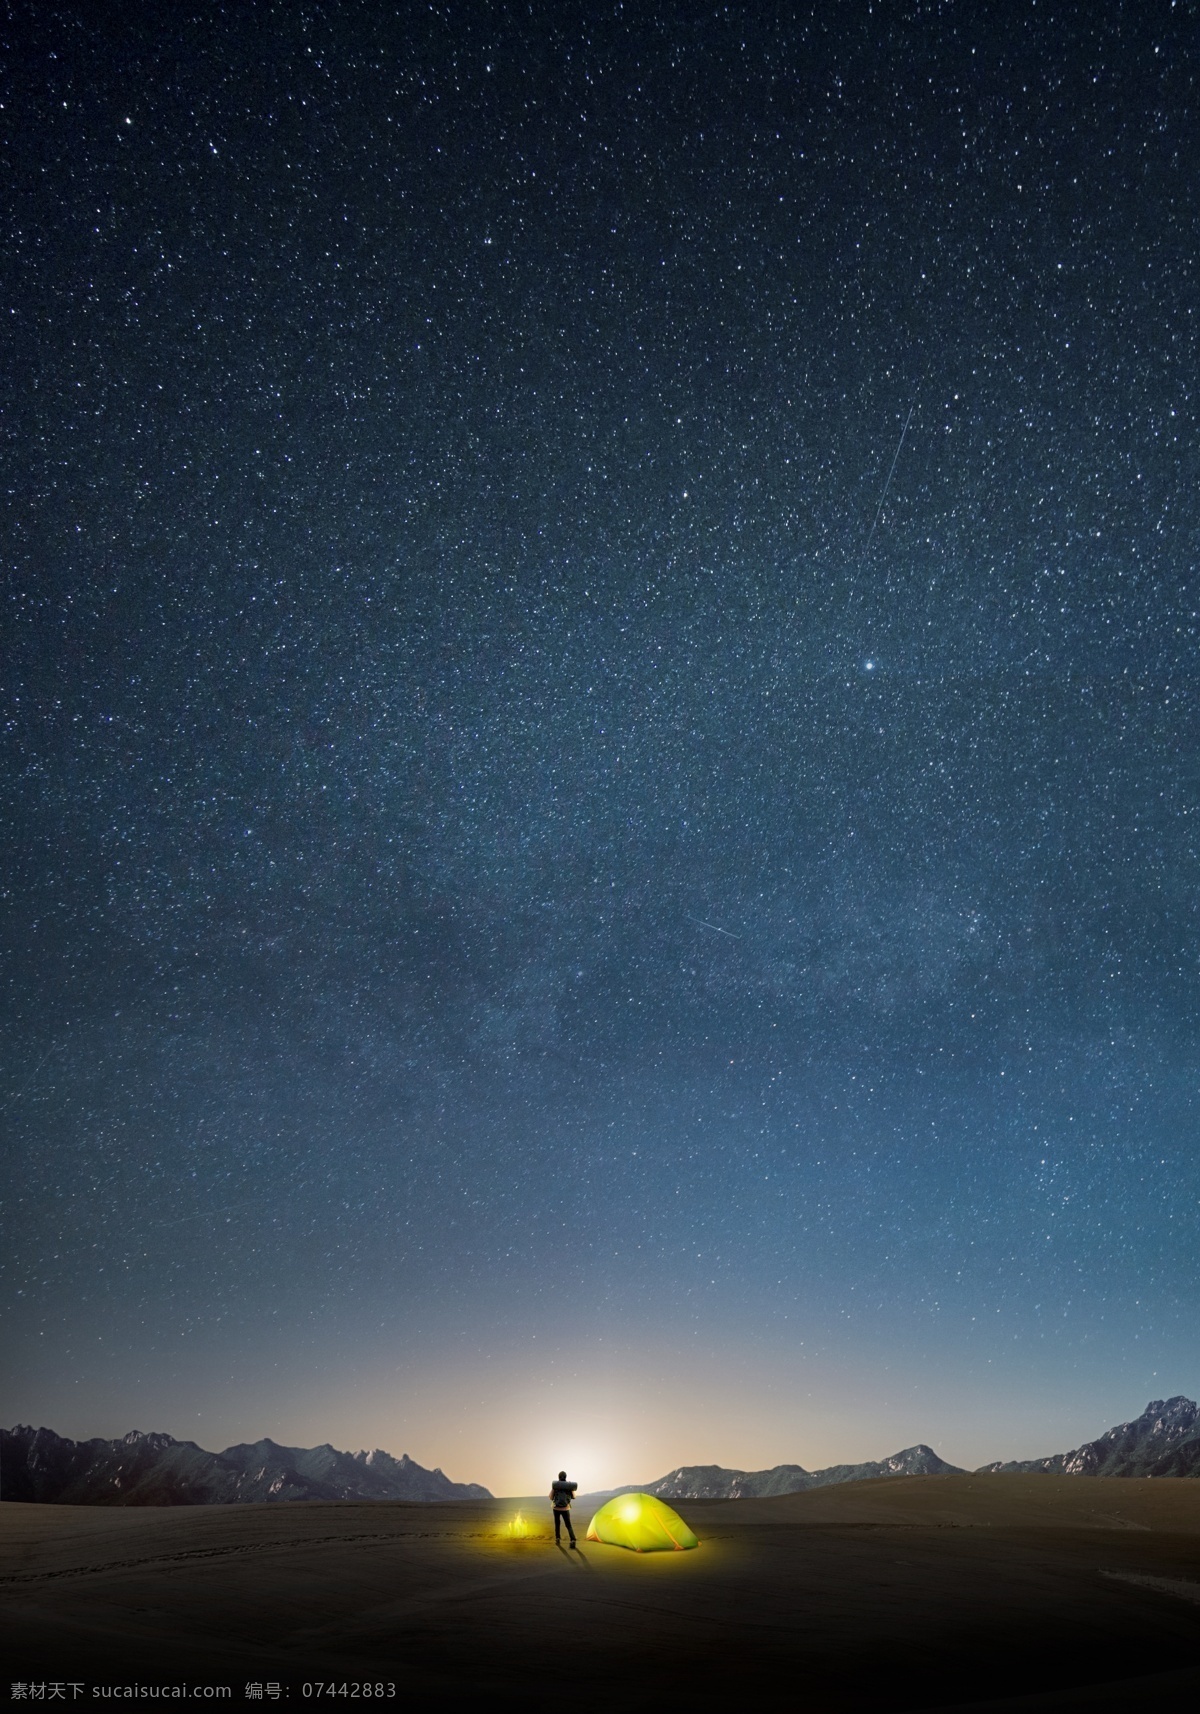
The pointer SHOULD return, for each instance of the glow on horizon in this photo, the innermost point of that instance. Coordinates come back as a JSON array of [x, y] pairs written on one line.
[[622, 1417]]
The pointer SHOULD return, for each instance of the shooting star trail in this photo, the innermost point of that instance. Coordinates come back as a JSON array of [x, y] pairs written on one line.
[[888, 483], [207, 1213], [30, 1080], [727, 932]]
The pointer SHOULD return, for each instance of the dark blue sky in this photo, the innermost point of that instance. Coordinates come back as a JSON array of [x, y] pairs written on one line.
[[534, 905]]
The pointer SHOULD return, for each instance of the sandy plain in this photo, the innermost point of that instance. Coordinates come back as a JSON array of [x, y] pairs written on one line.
[[1036, 1593]]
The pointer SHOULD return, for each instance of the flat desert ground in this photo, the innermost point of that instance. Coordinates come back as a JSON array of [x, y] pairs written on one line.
[[947, 1592]]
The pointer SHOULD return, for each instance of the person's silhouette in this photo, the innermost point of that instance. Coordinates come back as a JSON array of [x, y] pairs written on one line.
[[561, 1494]]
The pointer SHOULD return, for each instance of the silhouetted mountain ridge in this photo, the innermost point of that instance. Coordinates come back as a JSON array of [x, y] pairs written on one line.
[[1163, 1441], [156, 1470], [714, 1482]]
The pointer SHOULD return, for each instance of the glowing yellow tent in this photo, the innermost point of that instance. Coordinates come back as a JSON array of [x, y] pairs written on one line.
[[642, 1522]]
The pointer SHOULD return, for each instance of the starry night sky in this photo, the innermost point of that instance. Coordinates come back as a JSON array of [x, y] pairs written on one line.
[[601, 762]]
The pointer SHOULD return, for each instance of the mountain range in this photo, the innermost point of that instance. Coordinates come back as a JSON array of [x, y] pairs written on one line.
[[713, 1482], [1163, 1441], [155, 1470]]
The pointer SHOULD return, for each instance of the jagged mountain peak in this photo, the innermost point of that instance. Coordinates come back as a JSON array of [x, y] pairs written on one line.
[[381, 1460], [1166, 1416]]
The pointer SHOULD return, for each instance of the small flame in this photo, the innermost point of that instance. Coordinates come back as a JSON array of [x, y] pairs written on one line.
[[518, 1529]]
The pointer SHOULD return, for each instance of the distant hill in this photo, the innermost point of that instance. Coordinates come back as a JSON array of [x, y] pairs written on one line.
[[714, 1482], [155, 1470], [1163, 1441]]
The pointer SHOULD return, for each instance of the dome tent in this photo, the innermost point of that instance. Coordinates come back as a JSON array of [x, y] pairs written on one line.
[[642, 1522]]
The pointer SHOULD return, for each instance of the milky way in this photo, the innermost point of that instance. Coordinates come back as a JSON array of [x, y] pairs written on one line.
[[600, 759]]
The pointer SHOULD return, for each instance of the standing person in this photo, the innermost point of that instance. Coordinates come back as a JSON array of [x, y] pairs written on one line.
[[562, 1493]]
